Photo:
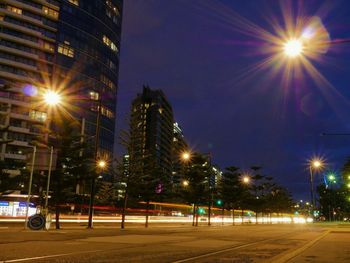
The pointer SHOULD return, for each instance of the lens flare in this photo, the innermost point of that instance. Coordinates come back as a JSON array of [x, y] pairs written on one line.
[[293, 48], [52, 98]]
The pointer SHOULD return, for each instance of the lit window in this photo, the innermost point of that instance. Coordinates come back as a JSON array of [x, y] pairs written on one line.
[[49, 46], [66, 50], [14, 9], [74, 2], [50, 12], [107, 82], [38, 116], [94, 95], [112, 8], [111, 65], [110, 44], [106, 112]]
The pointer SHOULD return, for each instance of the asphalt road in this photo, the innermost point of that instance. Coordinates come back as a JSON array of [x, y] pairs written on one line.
[[246, 243]]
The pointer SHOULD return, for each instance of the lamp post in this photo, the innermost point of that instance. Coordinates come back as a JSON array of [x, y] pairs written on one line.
[[315, 164], [30, 187], [51, 99], [101, 165], [186, 158], [245, 181], [93, 179]]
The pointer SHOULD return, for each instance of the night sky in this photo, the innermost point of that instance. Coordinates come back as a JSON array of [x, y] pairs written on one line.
[[202, 55]]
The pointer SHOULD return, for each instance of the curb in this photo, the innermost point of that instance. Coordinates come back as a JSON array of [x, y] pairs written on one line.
[[292, 254]]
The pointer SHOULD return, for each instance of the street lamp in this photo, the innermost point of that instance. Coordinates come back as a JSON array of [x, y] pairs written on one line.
[[186, 156], [185, 183], [246, 179], [293, 48], [101, 164], [314, 165], [51, 99]]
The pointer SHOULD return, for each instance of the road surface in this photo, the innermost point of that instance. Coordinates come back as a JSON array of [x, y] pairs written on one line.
[[244, 243]]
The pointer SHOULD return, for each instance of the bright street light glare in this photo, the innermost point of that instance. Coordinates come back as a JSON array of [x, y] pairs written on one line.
[[246, 179], [316, 164], [293, 48], [185, 183], [102, 164], [186, 156], [331, 177], [52, 98]]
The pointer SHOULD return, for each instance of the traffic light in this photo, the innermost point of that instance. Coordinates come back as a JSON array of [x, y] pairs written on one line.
[[200, 211], [219, 202]]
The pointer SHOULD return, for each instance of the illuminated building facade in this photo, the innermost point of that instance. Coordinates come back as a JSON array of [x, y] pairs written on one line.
[[71, 46], [151, 132]]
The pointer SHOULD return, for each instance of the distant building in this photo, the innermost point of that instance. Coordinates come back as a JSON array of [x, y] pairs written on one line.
[[179, 148], [151, 132]]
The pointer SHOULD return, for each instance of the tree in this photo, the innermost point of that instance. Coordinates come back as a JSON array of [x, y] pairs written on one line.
[[197, 191], [279, 200], [73, 163], [10, 182], [106, 193], [334, 202], [230, 189]]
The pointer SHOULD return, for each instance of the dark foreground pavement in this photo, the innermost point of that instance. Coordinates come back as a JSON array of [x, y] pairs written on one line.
[[250, 243]]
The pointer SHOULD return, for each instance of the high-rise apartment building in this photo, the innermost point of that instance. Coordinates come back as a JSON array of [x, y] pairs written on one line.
[[179, 148], [71, 46], [151, 132]]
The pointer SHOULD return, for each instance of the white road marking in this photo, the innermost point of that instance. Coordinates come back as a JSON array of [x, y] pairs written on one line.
[[296, 252], [48, 256]]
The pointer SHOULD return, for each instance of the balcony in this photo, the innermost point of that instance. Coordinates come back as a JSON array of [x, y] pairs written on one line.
[[15, 156], [19, 129]]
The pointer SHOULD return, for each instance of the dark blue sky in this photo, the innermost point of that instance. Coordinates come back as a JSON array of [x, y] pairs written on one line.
[[198, 51]]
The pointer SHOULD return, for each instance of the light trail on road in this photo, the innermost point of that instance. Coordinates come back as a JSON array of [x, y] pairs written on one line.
[[171, 219]]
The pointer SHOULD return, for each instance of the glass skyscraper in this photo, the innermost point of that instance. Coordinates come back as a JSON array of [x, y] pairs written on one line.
[[70, 46]]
